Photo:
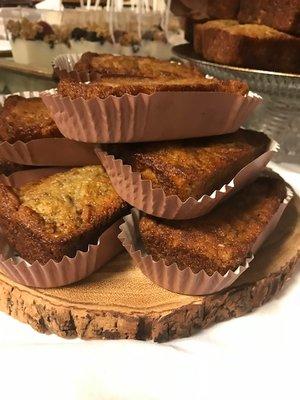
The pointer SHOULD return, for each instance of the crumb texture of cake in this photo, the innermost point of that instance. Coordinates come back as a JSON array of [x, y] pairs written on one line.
[[193, 167], [221, 240], [117, 75], [118, 86], [59, 215], [283, 15], [26, 119], [249, 45], [200, 31]]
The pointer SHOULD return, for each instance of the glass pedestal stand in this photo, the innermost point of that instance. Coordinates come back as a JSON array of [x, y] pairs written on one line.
[[278, 116]]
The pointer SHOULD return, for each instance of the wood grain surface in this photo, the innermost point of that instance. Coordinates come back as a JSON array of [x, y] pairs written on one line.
[[120, 302]]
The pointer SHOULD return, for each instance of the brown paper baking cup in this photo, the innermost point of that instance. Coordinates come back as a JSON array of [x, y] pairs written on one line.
[[140, 193], [186, 281], [146, 118], [47, 152], [68, 270]]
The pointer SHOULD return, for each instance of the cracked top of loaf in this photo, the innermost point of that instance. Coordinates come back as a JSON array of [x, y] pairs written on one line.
[[193, 167], [221, 240]]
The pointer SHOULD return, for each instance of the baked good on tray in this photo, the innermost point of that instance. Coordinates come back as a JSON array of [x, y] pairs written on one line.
[[193, 167], [26, 119], [283, 15], [60, 214], [250, 45], [221, 240], [135, 66], [118, 86], [116, 75], [201, 29]]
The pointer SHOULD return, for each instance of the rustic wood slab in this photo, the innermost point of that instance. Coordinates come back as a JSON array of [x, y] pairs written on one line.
[[119, 302]]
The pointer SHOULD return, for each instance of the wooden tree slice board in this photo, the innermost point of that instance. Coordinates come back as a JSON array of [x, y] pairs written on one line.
[[120, 302]]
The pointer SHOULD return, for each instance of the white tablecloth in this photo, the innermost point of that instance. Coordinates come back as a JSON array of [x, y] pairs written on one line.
[[253, 357]]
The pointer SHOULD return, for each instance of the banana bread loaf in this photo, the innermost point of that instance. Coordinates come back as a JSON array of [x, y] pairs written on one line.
[[283, 15], [107, 65], [59, 215], [26, 119], [200, 32], [253, 46], [118, 86], [221, 240], [194, 167], [116, 75]]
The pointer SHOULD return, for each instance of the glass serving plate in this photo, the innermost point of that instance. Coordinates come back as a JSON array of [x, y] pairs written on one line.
[[278, 116]]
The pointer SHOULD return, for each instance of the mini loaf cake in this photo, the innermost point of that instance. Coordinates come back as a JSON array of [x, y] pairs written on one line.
[[221, 240], [254, 46], [132, 66], [26, 119], [193, 167], [283, 15], [59, 215], [117, 75], [112, 86], [201, 29]]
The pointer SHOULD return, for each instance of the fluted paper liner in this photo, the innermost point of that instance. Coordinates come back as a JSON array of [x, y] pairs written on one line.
[[144, 117], [63, 67], [48, 151], [185, 281], [140, 193], [66, 271]]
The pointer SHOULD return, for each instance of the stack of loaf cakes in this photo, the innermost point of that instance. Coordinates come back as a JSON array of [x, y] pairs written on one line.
[[262, 34], [170, 146]]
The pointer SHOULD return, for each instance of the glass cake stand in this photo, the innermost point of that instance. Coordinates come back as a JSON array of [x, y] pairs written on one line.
[[278, 116]]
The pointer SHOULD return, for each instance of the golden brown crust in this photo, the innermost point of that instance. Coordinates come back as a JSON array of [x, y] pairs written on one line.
[[253, 46], [283, 15], [117, 75], [199, 32], [119, 86], [26, 119], [192, 167], [106, 65], [59, 214], [221, 240]]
